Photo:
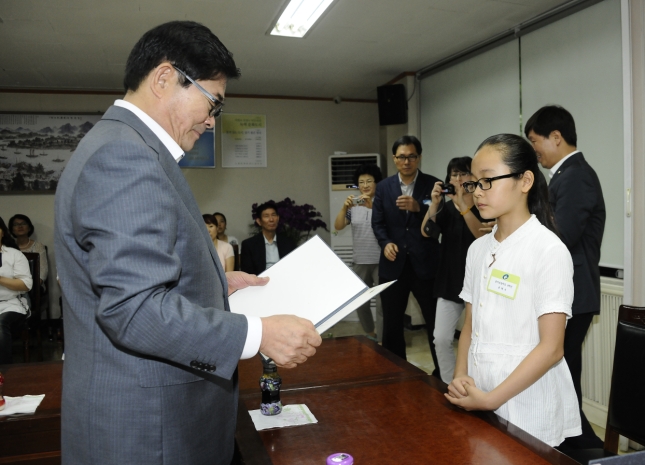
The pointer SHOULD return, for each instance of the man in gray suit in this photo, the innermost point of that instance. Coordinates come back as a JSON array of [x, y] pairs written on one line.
[[151, 346]]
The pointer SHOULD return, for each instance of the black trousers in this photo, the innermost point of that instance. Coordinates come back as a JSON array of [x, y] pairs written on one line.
[[394, 301], [574, 336], [7, 321]]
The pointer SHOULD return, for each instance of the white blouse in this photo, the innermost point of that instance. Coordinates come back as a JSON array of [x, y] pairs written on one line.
[[14, 266], [510, 285]]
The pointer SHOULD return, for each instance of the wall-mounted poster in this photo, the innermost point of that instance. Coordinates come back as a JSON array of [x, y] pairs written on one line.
[[244, 141], [34, 149], [203, 153]]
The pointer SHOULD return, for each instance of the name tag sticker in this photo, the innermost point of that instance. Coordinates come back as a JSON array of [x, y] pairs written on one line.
[[504, 284]]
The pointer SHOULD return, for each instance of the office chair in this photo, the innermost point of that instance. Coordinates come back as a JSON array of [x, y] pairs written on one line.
[[626, 411]]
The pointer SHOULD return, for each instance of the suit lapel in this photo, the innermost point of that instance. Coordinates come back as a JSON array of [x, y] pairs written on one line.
[[173, 172], [569, 162]]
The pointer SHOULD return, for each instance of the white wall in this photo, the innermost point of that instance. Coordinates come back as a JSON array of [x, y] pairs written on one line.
[[301, 134], [576, 62], [464, 104]]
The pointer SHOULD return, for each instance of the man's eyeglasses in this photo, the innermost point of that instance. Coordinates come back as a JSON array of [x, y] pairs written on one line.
[[216, 109], [485, 183], [403, 158]]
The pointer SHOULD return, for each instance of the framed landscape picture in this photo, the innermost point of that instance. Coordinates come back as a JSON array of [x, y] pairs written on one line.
[[35, 148]]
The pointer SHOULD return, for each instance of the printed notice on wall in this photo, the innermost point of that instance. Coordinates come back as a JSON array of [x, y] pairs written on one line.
[[244, 141]]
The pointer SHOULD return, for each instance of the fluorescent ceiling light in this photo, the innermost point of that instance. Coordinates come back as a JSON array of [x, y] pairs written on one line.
[[299, 16]]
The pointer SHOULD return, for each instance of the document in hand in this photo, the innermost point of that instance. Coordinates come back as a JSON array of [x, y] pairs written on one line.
[[311, 282]]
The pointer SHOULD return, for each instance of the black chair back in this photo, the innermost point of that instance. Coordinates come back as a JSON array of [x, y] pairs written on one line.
[[626, 412]]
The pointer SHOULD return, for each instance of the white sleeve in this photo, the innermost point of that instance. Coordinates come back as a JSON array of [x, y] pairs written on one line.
[[554, 275], [466, 293], [21, 269], [253, 337]]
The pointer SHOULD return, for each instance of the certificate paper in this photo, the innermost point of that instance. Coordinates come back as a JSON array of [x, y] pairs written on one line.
[[311, 282]]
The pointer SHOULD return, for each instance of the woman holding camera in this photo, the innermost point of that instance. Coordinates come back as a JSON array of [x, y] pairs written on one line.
[[459, 223], [357, 211]]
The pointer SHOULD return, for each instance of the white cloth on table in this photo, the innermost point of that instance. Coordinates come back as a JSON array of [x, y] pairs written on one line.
[[22, 404]]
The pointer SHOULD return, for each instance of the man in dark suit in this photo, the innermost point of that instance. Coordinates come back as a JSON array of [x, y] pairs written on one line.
[[579, 207], [408, 257], [263, 250], [151, 346]]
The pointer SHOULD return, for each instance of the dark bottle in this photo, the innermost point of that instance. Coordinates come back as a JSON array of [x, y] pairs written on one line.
[[270, 386]]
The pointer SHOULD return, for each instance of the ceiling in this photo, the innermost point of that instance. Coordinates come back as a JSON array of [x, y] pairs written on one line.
[[358, 45]]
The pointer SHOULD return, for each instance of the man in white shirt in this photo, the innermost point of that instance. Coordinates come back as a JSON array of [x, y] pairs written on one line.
[[576, 197], [151, 346]]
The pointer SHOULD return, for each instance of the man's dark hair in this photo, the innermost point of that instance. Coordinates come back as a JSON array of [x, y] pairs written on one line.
[[188, 45], [24, 218], [553, 118], [265, 206], [368, 168], [407, 140]]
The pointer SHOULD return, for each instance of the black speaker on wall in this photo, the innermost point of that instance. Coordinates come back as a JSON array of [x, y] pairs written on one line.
[[392, 105]]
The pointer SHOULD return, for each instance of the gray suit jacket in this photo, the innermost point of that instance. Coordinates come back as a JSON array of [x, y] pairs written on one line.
[[151, 347]]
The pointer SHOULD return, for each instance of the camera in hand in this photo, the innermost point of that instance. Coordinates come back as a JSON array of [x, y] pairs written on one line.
[[448, 189], [357, 200]]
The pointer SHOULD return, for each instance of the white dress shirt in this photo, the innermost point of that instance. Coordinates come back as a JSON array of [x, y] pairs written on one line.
[[554, 169], [254, 332]]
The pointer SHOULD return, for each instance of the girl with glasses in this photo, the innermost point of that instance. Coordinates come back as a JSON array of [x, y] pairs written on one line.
[[459, 224], [518, 289]]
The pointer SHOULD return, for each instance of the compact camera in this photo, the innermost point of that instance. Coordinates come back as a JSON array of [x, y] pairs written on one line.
[[448, 189], [357, 200]]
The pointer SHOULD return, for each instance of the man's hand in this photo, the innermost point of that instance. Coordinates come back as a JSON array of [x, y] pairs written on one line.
[[240, 280], [288, 339], [390, 251], [406, 202]]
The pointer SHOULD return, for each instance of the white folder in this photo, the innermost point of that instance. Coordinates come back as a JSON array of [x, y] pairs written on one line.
[[311, 282]]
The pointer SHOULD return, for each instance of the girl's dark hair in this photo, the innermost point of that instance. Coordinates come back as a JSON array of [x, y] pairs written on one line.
[[24, 218], [209, 219], [368, 168], [520, 157], [7, 240], [461, 164]]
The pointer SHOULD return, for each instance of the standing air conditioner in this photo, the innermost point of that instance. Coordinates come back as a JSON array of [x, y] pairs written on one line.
[[341, 184]]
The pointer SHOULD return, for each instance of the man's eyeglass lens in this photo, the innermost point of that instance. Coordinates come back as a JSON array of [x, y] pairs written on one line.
[[410, 157]]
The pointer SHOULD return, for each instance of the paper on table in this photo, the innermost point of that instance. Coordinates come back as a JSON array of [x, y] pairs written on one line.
[[23, 404], [292, 415], [311, 282]]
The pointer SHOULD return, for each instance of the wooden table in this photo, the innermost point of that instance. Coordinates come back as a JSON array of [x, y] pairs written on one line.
[[381, 410], [368, 402], [32, 439]]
